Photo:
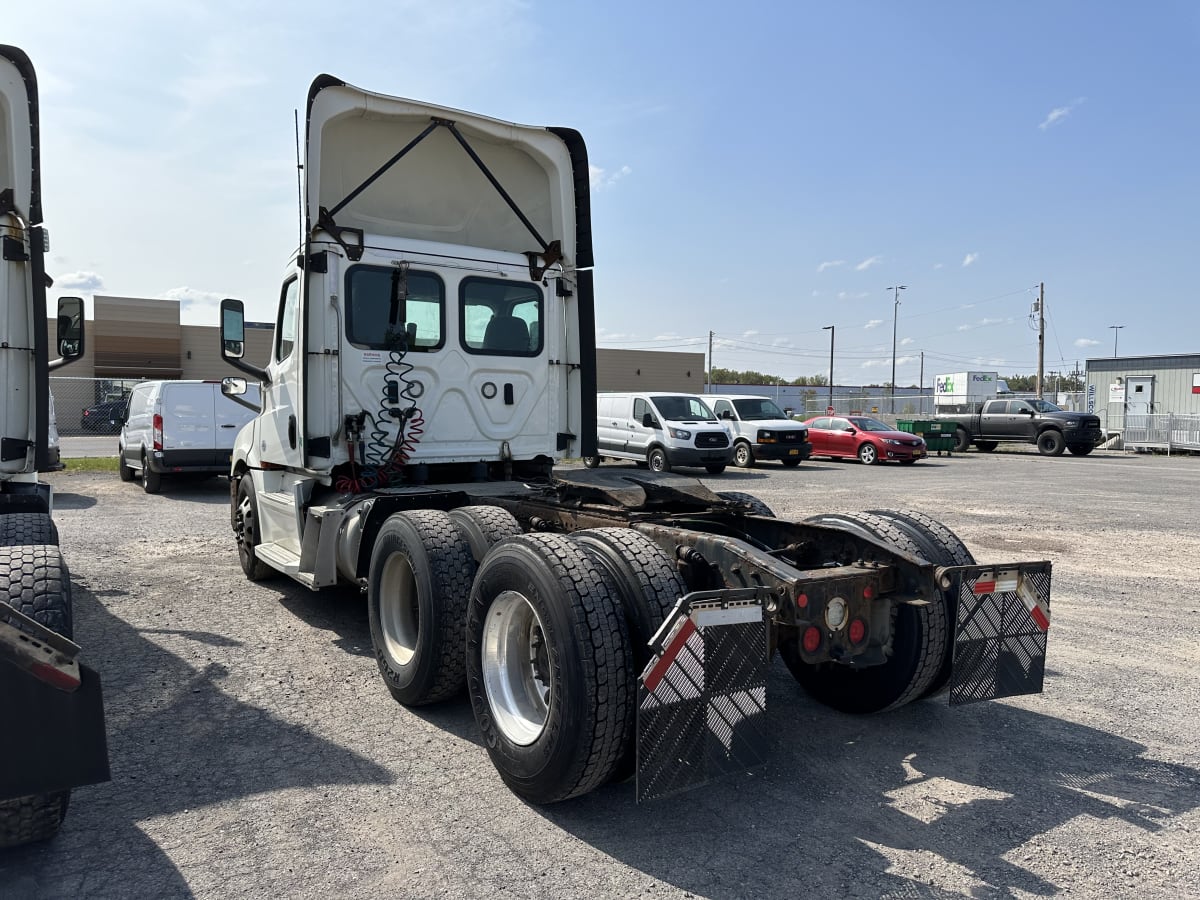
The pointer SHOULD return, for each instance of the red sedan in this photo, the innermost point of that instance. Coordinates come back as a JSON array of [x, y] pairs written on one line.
[[868, 439]]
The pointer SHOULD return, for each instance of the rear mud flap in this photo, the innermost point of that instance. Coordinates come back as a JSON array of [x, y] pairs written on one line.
[[702, 699], [1002, 620]]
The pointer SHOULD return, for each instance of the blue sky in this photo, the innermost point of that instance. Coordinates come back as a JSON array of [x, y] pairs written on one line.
[[759, 170]]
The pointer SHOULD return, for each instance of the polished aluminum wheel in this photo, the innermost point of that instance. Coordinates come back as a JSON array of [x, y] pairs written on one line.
[[516, 668], [399, 616]]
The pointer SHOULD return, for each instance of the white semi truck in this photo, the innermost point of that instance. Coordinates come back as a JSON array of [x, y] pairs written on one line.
[[434, 359], [51, 709]]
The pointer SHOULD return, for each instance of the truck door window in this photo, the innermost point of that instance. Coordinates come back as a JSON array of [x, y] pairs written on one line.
[[721, 407], [387, 308], [285, 331], [500, 318], [640, 408]]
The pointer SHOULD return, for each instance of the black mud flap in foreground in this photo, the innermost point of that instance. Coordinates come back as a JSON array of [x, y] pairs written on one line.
[[1000, 638], [51, 712], [702, 700]]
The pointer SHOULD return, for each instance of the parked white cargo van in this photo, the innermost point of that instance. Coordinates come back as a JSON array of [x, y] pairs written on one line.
[[178, 428], [760, 430], [660, 430]]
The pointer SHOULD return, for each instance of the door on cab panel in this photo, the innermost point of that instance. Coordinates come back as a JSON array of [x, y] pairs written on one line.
[[640, 436], [279, 432]]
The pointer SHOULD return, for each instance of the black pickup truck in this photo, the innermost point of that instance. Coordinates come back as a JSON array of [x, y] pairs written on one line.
[[1035, 421]]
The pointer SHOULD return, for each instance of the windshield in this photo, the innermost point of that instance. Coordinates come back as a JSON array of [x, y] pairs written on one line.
[[1043, 405], [862, 423], [681, 409], [757, 409]]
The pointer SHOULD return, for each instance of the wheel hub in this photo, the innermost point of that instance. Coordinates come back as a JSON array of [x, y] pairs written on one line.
[[516, 668]]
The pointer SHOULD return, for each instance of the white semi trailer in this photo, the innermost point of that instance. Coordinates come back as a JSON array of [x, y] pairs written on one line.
[[51, 709], [433, 361]]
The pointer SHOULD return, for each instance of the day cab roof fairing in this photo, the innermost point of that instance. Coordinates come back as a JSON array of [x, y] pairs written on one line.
[[384, 166], [21, 224]]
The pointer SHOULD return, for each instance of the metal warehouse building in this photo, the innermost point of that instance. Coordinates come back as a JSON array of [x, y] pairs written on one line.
[[1150, 401]]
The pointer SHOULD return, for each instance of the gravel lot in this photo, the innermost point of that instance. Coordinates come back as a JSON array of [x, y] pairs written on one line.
[[256, 753]]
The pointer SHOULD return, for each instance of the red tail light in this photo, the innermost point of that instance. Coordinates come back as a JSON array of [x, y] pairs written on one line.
[[157, 432], [858, 631], [812, 639]]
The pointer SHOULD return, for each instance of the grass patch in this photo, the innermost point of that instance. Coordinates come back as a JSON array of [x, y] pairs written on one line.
[[92, 464]]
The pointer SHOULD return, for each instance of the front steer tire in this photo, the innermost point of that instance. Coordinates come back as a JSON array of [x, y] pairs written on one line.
[[417, 590], [919, 640], [247, 531], [38, 585], [549, 667], [743, 456]]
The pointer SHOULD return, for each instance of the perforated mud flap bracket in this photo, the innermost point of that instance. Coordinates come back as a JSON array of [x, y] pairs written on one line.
[[702, 699], [1002, 619]]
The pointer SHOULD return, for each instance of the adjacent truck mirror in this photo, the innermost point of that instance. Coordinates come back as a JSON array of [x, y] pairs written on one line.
[[233, 342], [233, 329], [233, 386], [70, 329]]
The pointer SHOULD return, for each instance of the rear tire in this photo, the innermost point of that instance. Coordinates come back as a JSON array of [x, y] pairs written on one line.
[[484, 526], [757, 507], [18, 529], [986, 446], [124, 471], [962, 440], [790, 463], [714, 469], [648, 585], [1051, 443], [1080, 449], [151, 481], [918, 642], [549, 667], [656, 459], [39, 585], [246, 530], [942, 547], [417, 590], [591, 462]]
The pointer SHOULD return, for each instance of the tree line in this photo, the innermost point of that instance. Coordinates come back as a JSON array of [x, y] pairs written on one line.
[[1018, 383]]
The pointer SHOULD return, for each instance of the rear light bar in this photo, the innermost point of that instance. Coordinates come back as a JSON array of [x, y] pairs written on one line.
[[158, 432]]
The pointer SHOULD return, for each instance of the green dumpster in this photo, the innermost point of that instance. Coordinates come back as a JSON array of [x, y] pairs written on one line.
[[935, 438]]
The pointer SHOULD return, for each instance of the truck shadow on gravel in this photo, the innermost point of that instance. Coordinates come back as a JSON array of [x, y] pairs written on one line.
[[884, 805], [177, 742]]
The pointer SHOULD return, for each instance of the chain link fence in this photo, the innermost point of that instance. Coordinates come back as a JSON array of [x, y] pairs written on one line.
[[89, 405]]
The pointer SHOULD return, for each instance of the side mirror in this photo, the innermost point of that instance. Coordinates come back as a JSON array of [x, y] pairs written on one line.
[[233, 386], [233, 329], [850, 429], [647, 420], [727, 414], [69, 334]]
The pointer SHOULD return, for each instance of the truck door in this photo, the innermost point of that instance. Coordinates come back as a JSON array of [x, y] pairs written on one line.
[[639, 435], [1001, 420], [278, 425]]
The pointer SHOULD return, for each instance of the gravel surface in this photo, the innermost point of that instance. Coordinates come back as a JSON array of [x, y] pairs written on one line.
[[256, 752]]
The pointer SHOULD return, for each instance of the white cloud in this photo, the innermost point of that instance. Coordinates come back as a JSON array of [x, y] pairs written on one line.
[[847, 295], [969, 258], [1086, 342], [87, 282], [964, 327], [904, 342], [749, 334], [938, 265], [874, 323], [990, 321], [602, 179], [1059, 113], [829, 264], [195, 307], [868, 263]]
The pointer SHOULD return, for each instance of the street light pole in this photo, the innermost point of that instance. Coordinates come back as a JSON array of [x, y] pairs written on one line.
[[895, 289], [1116, 330], [832, 331]]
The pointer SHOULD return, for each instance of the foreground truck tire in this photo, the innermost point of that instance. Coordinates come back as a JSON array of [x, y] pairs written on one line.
[[38, 584], [550, 670], [417, 590], [27, 528], [757, 507], [942, 546], [920, 640]]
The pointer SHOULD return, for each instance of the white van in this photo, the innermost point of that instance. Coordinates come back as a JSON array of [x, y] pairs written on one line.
[[178, 428], [761, 430], [660, 430]]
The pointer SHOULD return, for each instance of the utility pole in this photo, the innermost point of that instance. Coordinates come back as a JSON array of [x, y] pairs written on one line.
[[1041, 335], [832, 331], [921, 388], [710, 337], [895, 289], [1116, 330]]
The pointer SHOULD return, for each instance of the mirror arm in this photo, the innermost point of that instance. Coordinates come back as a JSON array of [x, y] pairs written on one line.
[[250, 369]]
